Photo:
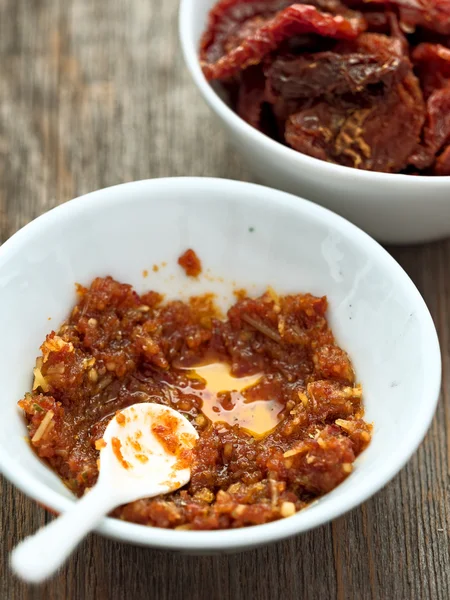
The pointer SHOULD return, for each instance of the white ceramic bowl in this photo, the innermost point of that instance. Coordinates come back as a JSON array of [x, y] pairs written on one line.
[[252, 236], [393, 208]]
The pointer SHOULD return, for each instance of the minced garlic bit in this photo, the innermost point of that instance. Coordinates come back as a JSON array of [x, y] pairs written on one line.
[[303, 398], [239, 510], [43, 426], [88, 362], [347, 467], [39, 379], [273, 296], [344, 424], [200, 420], [144, 308], [55, 344], [300, 449], [273, 492], [281, 325], [205, 495], [287, 509], [52, 344], [292, 452], [351, 427], [356, 391]]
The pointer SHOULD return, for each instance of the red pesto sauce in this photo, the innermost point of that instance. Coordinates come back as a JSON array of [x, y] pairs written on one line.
[[191, 264], [118, 348]]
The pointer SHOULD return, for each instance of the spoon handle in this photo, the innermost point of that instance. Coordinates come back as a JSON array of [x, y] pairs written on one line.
[[40, 555]]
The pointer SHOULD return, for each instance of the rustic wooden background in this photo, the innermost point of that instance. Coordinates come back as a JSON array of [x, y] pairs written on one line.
[[94, 93]]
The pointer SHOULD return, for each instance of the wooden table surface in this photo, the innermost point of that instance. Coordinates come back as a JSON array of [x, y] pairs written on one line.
[[94, 93]]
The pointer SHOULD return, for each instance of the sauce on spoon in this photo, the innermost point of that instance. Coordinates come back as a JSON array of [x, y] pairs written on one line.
[[146, 451]]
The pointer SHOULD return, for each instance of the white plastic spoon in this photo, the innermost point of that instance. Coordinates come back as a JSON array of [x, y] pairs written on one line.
[[146, 452]]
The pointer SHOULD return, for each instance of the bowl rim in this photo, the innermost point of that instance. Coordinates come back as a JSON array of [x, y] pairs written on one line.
[[190, 53], [233, 539]]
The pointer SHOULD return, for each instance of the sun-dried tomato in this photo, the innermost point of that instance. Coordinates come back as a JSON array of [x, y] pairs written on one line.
[[431, 14], [376, 133], [350, 68], [377, 21], [333, 79], [437, 127], [436, 132], [397, 33], [291, 21], [432, 62], [442, 165], [251, 96], [231, 21]]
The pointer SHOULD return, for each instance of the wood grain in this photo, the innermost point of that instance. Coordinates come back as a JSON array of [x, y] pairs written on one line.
[[95, 93]]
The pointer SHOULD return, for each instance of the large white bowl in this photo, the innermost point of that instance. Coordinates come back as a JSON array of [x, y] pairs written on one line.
[[393, 208], [251, 236]]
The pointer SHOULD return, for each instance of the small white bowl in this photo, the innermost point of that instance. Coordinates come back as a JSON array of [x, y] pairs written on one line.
[[393, 208], [251, 237]]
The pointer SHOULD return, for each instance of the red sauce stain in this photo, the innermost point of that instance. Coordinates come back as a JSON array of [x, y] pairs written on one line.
[[191, 264], [99, 444], [142, 457], [116, 446], [188, 440], [240, 294], [145, 273], [184, 459], [134, 444], [120, 418], [165, 431], [155, 268]]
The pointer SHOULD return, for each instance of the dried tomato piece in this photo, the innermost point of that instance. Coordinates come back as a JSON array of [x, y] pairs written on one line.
[[432, 62], [442, 165], [436, 132], [377, 21], [397, 33], [351, 67], [430, 14], [437, 127], [433, 15], [375, 133], [231, 21], [291, 21], [251, 96]]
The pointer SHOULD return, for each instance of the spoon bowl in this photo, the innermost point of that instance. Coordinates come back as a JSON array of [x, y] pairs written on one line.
[[145, 451]]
